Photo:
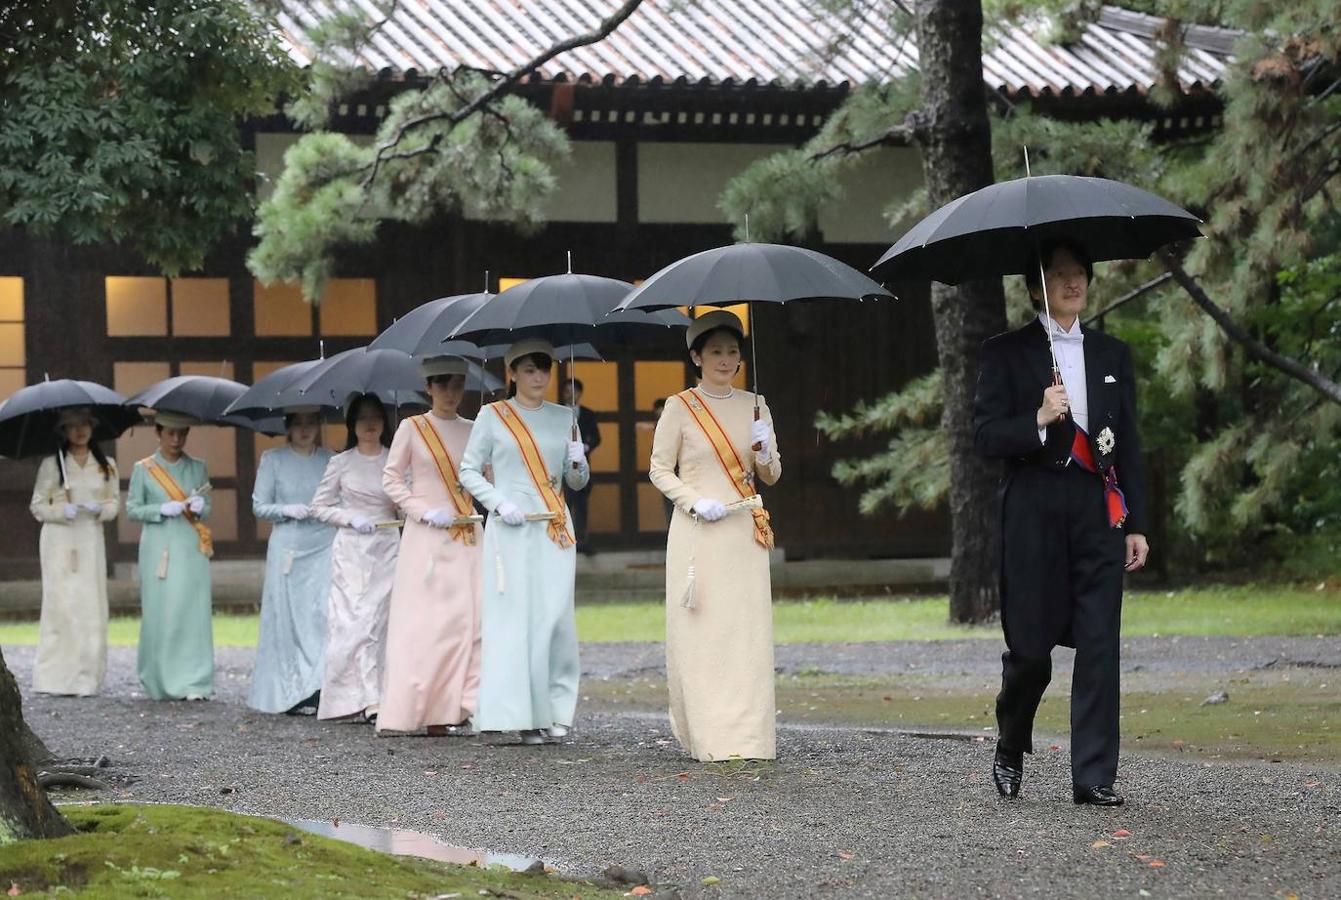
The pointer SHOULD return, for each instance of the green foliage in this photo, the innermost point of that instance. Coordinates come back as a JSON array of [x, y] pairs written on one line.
[[433, 154], [118, 121], [1255, 456]]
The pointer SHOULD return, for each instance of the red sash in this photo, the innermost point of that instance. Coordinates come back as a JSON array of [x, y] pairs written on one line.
[[1114, 501]]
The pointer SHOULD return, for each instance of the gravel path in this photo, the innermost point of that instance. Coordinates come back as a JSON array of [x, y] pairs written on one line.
[[845, 813]]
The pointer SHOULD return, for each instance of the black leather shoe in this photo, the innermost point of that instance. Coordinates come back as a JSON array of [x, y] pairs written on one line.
[[1008, 772], [1099, 795]]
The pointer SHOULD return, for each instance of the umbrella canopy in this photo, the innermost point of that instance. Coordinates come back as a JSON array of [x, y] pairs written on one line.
[[205, 398], [563, 309], [29, 416], [272, 393], [750, 272], [391, 374], [422, 331], [996, 230]]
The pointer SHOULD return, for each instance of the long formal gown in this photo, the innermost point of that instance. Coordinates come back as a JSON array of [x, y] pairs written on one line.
[[719, 651], [292, 641], [528, 664], [363, 569], [176, 653], [72, 635], [433, 636]]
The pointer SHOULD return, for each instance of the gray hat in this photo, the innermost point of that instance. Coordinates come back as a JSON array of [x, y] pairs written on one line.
[[168, 419], [526, 348], [718, 318], [442, 365]]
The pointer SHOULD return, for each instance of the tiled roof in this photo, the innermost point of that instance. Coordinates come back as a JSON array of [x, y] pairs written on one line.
[[785, 42]]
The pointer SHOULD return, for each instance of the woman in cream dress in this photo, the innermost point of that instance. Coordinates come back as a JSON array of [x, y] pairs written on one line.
[[73, 498], [529, 667], [363, 564], [719, 613]]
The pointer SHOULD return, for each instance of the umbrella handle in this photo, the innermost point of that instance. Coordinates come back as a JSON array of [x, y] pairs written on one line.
[[756, 447], [576, 436], [1057, 382]]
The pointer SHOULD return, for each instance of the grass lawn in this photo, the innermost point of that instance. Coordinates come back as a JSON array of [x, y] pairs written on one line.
[[178, 851], [1251, 610]]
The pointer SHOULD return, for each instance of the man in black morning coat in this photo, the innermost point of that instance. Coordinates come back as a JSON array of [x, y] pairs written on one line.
[[1072, 516]]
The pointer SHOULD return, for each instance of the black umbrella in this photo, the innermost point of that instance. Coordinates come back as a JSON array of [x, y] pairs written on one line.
[[391, 374], [202, 397], [995, 231], [564, 309], [272, 393], [29, 416], [422, 331], [751, 273]]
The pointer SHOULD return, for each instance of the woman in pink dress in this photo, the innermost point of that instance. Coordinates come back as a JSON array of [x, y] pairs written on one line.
[[433, 636]]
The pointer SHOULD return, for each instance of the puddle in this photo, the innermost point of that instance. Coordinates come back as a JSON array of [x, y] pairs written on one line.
[[399, 842]]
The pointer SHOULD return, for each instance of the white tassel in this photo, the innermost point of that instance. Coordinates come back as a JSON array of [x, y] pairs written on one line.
[[288, 563], [428, 569], [687, 599], [498, 574], [163, 565]]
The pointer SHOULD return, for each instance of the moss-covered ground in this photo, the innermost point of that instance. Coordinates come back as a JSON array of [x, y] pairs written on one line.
[[177, 851]]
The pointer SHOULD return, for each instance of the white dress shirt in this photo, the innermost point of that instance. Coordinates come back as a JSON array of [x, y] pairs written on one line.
[[1069, 347]]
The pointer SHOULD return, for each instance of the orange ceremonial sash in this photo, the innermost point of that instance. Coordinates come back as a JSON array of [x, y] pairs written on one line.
[[465, 506], [731, 462], [559, 532], [175, 492]]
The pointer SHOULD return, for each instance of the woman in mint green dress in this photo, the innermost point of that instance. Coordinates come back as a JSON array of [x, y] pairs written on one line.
[[528, 655], [169, 495]]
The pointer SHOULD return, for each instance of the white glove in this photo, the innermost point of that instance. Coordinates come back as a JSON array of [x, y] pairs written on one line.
[[438, 518], [709, 510], [510, 513], [759, 435], [171, 509], [295, 511], [93, 506], [361, 524], [70, 511], [197, 505], [577, 452]]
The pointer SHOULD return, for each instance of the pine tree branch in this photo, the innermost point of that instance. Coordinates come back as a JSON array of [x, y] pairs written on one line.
[[909, 131], [1129, 296], [500, 86], [1253, 347]]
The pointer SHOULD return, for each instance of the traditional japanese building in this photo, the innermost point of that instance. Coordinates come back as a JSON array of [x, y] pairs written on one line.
[[661, 114]]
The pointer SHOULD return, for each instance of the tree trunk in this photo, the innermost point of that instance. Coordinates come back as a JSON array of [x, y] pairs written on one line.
[[956, 144], [25, 811]]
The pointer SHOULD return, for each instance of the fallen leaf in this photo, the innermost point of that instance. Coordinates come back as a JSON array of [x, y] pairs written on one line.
[[13, 889], [1179, 745], [724, 799], [1122, 833], [641, 890], [843, 854], [1054, 747], [1097, 844], [1156, 863], [1143, 856], [336, 822], [683, 776], [1312, 783], [887, 698], [711, 880]]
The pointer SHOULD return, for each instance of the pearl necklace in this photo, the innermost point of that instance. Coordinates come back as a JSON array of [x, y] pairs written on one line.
[[517, 401], [707, 393]]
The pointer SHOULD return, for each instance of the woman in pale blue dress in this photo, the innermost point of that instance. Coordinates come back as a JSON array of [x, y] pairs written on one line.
[[528, 658], [289, 653]]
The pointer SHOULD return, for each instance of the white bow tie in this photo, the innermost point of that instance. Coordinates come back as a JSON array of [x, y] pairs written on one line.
[[1063, 337]]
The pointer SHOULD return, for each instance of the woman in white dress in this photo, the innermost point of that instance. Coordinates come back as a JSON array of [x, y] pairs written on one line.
[[75, 494], [529, 666], [363, 564]]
